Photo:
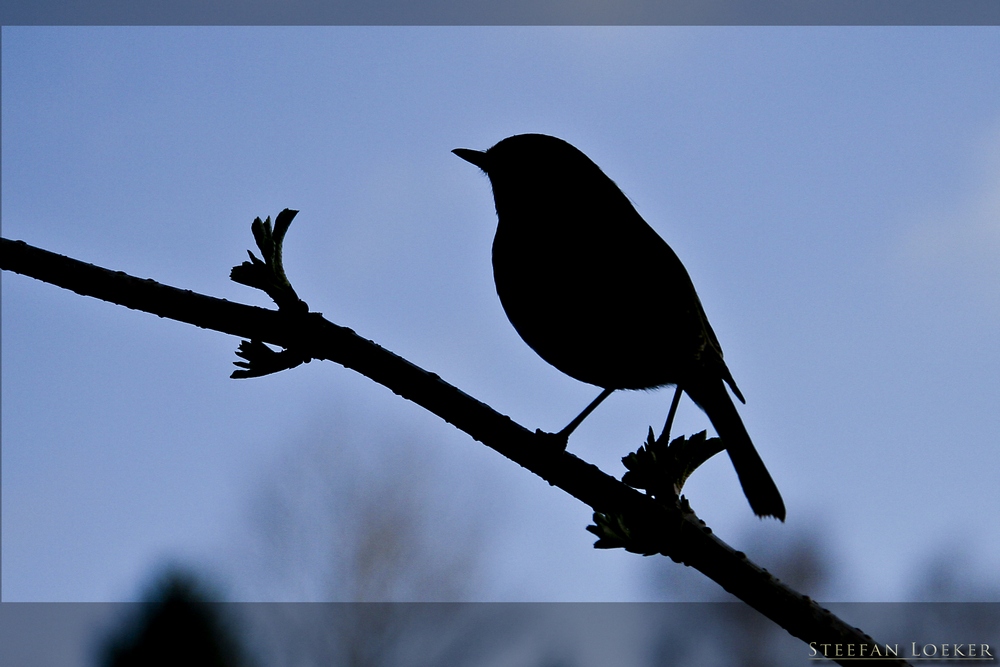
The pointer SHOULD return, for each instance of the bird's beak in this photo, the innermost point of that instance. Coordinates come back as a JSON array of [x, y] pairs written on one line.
[[477, 158]]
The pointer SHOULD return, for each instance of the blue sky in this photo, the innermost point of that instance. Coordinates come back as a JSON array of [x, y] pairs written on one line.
[[834, 193]]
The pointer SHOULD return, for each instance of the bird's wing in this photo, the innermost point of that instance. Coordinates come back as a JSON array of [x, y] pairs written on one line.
[[712, 353]]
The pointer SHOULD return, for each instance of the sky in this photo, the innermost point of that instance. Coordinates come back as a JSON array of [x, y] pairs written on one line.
[[833, 192]]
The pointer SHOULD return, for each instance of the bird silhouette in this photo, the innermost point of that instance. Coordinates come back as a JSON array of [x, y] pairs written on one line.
[[596, 292]]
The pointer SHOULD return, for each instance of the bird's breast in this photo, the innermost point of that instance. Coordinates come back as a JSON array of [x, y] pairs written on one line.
[[590, 310]]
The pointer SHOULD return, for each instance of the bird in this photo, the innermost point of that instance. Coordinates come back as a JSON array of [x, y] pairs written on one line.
[[599, 295]]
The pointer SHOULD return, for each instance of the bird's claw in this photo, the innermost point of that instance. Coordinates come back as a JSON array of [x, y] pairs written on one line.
[[556, 441]]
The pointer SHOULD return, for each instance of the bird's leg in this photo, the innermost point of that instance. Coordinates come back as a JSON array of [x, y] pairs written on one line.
[[562, 437], [665, 436], [570, 427]]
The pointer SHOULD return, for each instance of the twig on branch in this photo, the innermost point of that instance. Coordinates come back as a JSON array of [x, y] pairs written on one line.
[[268, 274], [638, 522]]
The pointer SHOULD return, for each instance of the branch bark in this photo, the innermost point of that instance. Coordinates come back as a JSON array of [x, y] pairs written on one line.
[[652, 526]]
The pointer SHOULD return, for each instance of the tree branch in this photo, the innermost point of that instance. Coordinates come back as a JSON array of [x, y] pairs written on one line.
[[649, 526]]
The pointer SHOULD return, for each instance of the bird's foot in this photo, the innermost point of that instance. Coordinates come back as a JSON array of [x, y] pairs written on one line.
[[556, 441]]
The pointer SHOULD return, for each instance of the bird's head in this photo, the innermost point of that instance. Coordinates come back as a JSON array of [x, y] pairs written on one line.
[[524, 153], [531, 170]]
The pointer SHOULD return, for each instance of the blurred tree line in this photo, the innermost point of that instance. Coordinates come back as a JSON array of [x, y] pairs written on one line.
[[355, 536]]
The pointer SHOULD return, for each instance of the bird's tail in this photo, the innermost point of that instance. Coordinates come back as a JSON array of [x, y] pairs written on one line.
[[759, 488]]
